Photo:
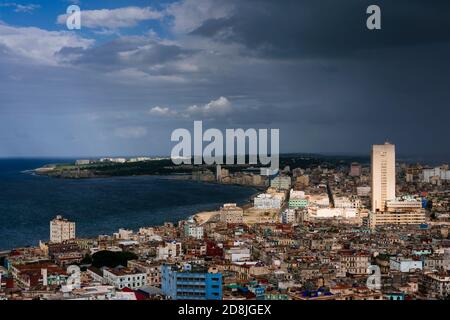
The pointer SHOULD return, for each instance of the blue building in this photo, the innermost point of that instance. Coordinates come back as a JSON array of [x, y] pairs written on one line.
[[395, 296], [190, 283], [424, 203]]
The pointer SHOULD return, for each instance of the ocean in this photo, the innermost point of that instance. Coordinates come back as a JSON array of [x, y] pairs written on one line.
[[98, 206]]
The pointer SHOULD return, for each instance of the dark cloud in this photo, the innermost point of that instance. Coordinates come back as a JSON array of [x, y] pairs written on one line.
[[309, 68], [328, 28], [125, 52]]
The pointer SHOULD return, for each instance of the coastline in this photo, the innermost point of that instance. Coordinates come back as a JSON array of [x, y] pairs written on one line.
[[131, 210], [205, 216]]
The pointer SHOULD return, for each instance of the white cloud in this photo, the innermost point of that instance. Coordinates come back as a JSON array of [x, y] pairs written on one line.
[[27, 8], [114, 18], [215, 108], [190, 14], [38, 45], [162, 111], [221, 106], [130, 132], [134, 75]]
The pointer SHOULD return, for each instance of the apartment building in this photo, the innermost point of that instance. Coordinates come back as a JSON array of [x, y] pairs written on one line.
[[383, 175], [435, 285], [125, 278], [61, 230], [405, 264], [231, 213], [353, 262], [194, 231], [268, 201], [168, 250], [281, 182], [289, 216], [297, 200], [190, 282], [153, 271]]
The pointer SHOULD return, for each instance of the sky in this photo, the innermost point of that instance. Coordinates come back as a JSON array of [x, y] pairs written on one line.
[[137, 70]]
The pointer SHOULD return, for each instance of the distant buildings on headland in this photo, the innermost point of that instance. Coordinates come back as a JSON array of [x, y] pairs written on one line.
[[81, 162], [224, 176]]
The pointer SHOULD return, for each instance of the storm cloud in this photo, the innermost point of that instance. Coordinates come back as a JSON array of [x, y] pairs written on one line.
[[310, 68], [315, 29]]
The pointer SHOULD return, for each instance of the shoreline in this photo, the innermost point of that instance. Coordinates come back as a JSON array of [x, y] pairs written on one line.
[[198, 213]]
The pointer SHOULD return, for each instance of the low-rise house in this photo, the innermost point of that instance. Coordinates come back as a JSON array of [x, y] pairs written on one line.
[[125, 277], [169, 250], [405, 264], [153, 271]]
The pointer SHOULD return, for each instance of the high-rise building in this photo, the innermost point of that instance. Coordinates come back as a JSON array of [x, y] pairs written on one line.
[[383, 175], [61, 230]]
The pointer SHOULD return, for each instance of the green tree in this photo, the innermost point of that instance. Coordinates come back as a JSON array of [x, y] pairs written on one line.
[[112, 259], [87, 259]]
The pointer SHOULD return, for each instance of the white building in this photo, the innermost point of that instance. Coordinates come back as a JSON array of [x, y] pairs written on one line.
[[345, 202], [237, 254], [268, 201], [114, 160], [405, 203], [363, 191], [168, 250], [328, 213], [82, 162], [194, 231], [293, 194], [402, 210], [123, 234], [61, 230], [153, 270], [403, 264], [281, 182], [125, 278], [288, 216], [383, 175], [439, 173], [139, 159]]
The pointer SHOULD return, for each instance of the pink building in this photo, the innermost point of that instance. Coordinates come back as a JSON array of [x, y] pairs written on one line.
[[355, 169]]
